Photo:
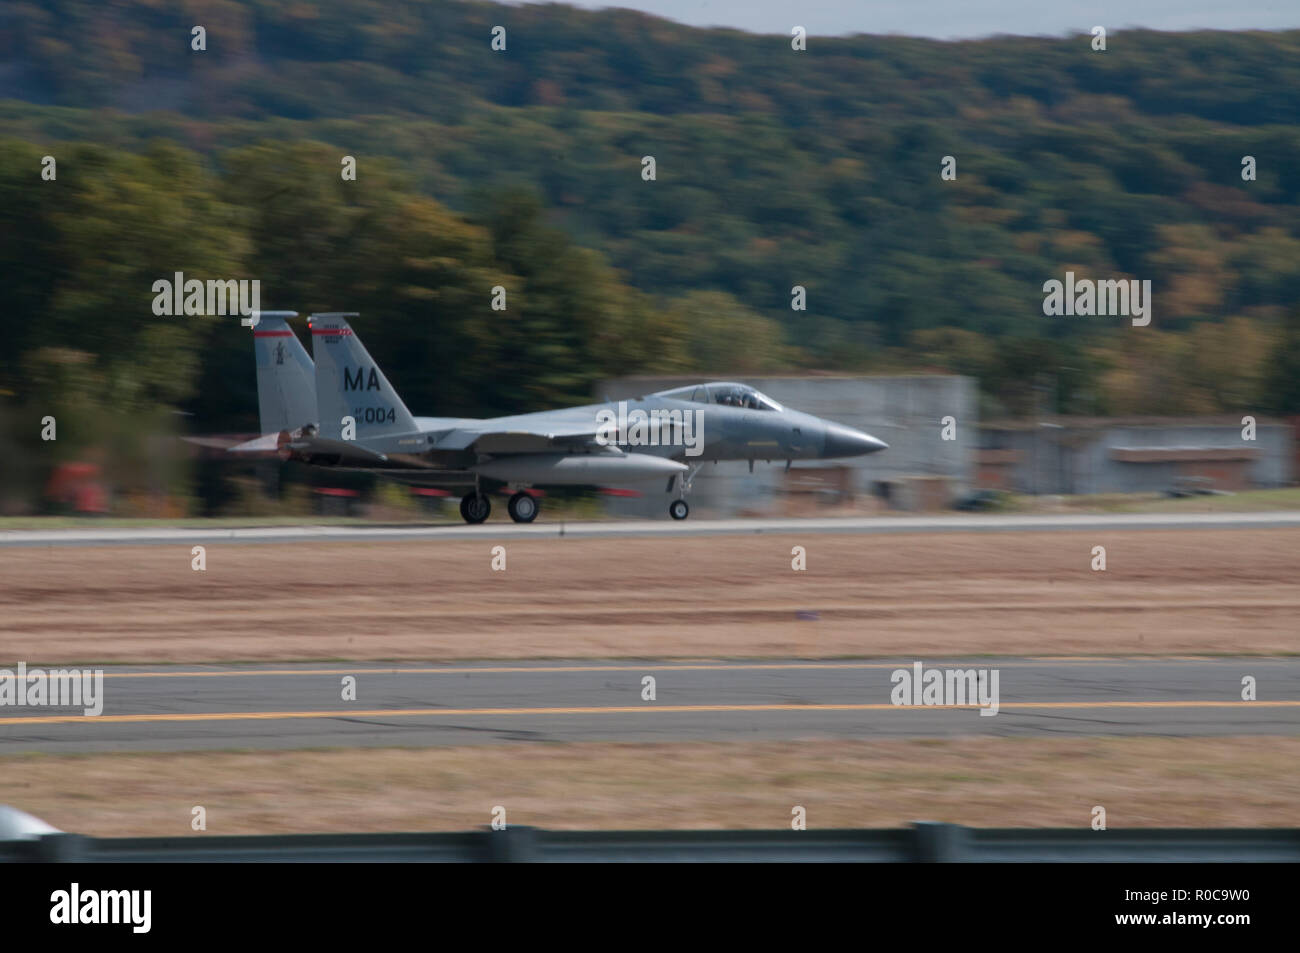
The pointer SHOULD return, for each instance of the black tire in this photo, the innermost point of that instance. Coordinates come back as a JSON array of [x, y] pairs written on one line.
[[523, 507], [678, 509], [475, 508]]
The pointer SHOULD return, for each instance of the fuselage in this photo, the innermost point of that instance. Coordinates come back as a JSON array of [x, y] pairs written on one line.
[[662, 425]]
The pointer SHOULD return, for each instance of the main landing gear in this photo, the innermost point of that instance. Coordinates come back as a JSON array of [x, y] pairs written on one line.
[[475, 507], [678, 509], [523, 507]]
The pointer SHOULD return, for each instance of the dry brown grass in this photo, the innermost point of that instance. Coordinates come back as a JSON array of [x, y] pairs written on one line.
[[1180, 592], [991, 782]]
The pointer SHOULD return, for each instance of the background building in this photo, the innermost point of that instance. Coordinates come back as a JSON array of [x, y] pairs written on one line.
[[1133, 454]]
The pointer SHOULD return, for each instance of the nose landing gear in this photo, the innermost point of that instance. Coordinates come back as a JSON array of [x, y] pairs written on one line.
[[678, 508]]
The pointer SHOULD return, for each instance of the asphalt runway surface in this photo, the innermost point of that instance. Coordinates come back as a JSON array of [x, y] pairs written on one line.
[[665, 527], [287, 706]]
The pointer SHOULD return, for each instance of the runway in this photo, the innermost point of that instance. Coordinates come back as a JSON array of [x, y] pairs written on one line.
[[157, 536], [278, 707]]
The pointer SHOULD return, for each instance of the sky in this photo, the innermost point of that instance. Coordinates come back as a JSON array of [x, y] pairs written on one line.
[[954, 19]]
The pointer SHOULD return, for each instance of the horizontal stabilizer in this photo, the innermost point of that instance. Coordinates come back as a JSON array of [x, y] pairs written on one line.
[[267, 443]]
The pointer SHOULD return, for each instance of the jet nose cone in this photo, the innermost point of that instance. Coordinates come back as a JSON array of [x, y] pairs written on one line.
[[842, 441]]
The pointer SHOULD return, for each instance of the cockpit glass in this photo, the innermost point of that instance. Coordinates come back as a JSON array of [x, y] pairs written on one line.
[[738, 395], [729, 395]]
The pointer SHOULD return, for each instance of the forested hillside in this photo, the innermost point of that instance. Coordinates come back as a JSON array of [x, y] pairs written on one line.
[[523, 168]]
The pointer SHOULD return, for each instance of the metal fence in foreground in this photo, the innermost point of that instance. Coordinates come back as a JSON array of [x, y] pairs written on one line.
[[924, 841]]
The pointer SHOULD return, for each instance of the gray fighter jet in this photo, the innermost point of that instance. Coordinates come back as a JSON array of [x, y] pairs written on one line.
[[343, 413]]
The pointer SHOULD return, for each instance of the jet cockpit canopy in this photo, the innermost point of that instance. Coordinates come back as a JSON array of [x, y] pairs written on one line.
[[727, 393]]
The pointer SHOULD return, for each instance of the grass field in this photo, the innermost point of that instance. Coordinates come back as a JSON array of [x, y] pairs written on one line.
[[1189, 592], [987, 782]]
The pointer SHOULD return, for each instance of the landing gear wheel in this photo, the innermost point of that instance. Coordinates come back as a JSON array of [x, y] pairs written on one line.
[[475, 508], [523, 507], [678, 509]]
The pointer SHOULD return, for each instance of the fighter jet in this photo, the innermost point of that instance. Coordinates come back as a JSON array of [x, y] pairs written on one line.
[[342, 412]]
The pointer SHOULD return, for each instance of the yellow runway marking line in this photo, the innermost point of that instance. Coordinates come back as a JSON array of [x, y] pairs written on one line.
[[630, 709], [495, 670], [1036, 662]]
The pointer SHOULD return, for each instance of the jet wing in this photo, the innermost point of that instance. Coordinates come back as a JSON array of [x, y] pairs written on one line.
[[545, 439]]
